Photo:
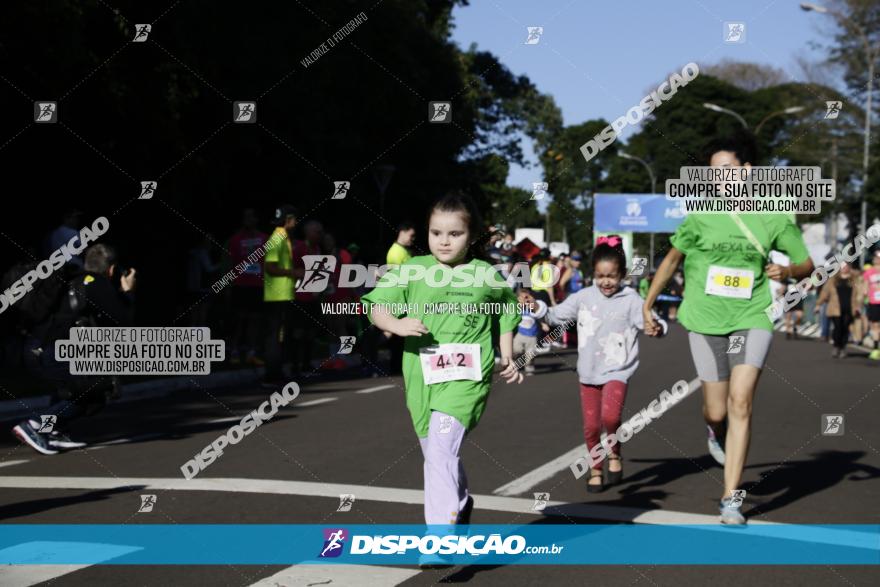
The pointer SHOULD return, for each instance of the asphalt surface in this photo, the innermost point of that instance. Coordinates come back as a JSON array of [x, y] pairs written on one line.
[[794, 474]]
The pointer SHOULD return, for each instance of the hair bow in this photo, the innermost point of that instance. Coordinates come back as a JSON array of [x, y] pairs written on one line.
[[611, 241]]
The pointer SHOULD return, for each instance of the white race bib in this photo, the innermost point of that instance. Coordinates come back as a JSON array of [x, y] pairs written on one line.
[[730, 283], [451, 362]]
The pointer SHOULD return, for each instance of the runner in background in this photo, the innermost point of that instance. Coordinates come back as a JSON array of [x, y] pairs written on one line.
[[308, 307], [609, 317], [726, 298], [448, 359], [247, 291], [793, 316], [871, 278], [278, 295], [843, 295], [398, 254]]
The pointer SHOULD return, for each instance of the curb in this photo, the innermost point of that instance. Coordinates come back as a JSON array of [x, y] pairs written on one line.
[[19, 408]]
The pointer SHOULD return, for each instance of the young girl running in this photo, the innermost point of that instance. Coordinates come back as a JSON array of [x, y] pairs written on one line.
[[608, 319], [448, 355]]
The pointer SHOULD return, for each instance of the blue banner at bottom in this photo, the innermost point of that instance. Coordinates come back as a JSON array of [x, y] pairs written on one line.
[[537, 544]]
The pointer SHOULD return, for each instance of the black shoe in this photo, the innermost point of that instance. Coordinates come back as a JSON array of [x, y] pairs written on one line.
[[599, 488], [464, 516], [614, 477], [63, 441], [28, 435]]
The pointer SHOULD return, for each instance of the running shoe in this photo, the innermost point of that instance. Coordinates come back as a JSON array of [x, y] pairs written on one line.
[[61, 440], [730, 513], [29, 435], [715, 447], [875, 355]]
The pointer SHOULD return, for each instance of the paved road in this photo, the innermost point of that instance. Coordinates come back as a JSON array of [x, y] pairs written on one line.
[[355, 437]]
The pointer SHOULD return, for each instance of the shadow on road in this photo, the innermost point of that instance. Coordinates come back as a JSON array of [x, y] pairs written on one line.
[[36, 506]]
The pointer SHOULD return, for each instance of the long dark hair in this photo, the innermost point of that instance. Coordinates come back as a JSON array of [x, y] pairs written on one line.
[[605, 251], [465, 205]]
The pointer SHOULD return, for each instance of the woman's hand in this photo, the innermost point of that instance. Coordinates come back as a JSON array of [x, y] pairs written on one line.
[[652, 328], [777, 272], [409, 327], [510, 373]]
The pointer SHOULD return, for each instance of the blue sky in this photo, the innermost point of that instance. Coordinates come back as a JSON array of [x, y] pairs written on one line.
[[597, 58]]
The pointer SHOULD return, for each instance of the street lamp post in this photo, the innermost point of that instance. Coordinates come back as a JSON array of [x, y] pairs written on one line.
[[871, 57], [742, 121], [653, 191]]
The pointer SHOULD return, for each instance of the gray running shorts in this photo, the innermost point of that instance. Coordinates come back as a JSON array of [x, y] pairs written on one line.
[[716, 355]]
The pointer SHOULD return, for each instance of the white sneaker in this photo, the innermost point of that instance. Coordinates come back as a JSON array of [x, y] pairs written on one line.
[[730, 513], [715, 447]]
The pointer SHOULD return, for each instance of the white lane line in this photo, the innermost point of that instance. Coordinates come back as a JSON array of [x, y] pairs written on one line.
[[377, 388], [563, 462], [221, 420], [11, 463], [26, 575], [316, 402], [361, 575], [414, 497], [116, 441]]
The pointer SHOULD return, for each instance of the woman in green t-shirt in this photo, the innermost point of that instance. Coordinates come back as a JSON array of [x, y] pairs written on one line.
[[726, 298]]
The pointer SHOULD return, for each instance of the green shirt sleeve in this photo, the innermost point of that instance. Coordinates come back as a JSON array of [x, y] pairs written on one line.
[[789, 240], [685, 237], [386, 293]]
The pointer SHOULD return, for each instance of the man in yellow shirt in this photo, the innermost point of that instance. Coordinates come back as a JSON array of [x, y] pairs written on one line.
[[399, 252], [278, 292]]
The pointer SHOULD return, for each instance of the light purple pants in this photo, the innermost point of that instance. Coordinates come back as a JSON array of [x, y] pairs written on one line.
[[446, 489]]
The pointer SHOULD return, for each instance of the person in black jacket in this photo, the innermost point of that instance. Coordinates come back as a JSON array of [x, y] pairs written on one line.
[[91, 299]]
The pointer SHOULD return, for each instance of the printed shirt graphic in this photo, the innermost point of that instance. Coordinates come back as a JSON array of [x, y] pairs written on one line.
[[607, 331], [872, 284], [278, 288], [397, 255], [529, 324], [465, 400], [715, 239], [241, 245]]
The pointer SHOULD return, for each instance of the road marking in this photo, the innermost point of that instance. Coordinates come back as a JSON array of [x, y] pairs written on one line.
[[138, 438], [316, 402], [31, 574], [221, 420], [377, 388], [11, 463], [548, 470], [366, 575]]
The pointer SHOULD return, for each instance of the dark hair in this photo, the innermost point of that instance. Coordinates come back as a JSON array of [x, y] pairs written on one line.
[[282, 213], [606, 252], [99, 258], [465, 205], [405, 225], [741, 143]]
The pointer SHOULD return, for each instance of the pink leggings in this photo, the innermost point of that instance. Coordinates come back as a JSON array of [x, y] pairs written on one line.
[[601, 407]]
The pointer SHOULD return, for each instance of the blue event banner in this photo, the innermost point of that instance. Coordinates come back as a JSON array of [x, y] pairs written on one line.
[[533, 544], [636, 213]]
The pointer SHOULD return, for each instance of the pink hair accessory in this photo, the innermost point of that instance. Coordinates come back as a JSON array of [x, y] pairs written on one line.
[[611, 241]]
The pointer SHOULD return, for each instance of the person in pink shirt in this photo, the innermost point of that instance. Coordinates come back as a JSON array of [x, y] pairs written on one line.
[[872, 286]]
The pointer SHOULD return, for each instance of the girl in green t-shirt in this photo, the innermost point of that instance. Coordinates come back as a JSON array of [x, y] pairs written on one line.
[[448, 353]]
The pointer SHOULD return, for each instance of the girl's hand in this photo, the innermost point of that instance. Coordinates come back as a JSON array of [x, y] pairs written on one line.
[[777, 272], [409, 327], [510, 373], [651, 326]]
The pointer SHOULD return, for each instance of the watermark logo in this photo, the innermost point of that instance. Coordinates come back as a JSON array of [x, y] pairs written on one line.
[[319, 268], [541, 499], [147, 503], [440, 112], [148, 189], [265, 412], [645, 107], [832, 109], [334, 540], [832, 424], [639, 264], [734, 32], [737, 497], [736, 344], [340, 189], [47, 423], [244, 112], [346, 345], [534, 35], [346, 501], [445, 424], [539, 190], [142, 31], [46, 112]]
